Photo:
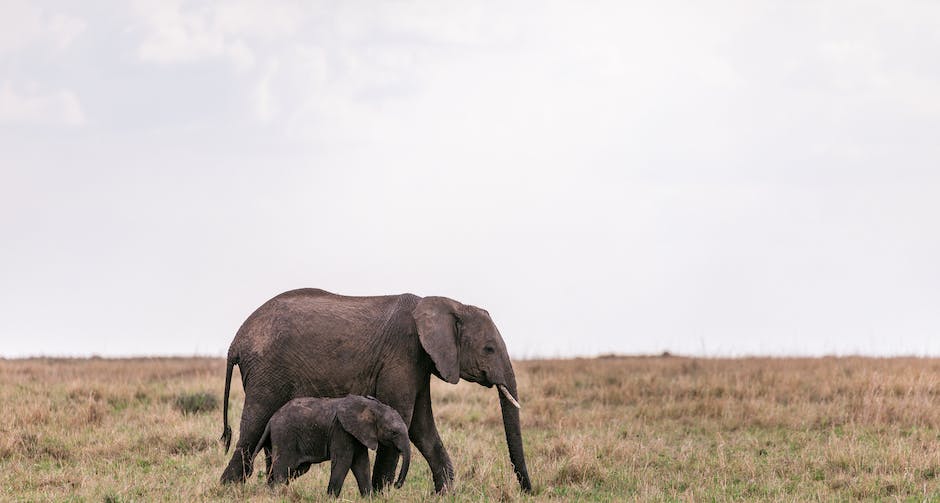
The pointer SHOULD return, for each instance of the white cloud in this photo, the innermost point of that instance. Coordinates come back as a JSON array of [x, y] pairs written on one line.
[[266, 107], [319, 69], [35, 107], [23, 24], [28, 34], [178, 32]]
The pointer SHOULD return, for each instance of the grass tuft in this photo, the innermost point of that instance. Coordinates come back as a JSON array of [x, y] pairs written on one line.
[[579, 471], [42, 448], [189, 444], [194, 403]]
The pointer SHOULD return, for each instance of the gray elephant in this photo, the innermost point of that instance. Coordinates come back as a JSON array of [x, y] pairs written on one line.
[[310, 342], [311, 430]]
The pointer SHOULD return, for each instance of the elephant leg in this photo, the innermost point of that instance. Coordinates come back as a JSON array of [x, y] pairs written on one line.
[[254, 418], [424, 435], [339, 467], [301, 469], [360, 469], [267, 460], [383, 473], [386, 458], [280, 471]]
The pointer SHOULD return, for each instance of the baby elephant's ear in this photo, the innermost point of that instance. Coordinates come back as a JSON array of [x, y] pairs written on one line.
[[359, 420]]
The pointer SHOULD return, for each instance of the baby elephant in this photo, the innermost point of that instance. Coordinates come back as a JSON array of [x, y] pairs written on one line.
[[312, 430]]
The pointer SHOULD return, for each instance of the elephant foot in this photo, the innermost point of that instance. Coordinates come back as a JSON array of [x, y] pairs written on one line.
[[231, 478], [278, 481], [236, 472], [444, 482]]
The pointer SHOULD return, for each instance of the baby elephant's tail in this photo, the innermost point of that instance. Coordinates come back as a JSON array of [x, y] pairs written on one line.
[[265, 440]]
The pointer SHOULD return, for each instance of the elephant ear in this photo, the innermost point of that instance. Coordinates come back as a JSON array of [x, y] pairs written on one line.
[[358, 418], [436, 319]]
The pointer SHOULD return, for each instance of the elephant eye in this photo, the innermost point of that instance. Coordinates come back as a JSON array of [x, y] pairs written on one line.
[[488, 350]]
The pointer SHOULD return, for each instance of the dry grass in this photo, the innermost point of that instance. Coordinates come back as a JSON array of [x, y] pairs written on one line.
[[605, 429]]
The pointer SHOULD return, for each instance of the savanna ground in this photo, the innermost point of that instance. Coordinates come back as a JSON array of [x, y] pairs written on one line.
[[606, 429]]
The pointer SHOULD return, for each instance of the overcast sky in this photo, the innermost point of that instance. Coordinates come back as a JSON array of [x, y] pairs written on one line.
[[718, 178]]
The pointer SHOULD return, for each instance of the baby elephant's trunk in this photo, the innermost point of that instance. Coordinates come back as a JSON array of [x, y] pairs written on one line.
[[404, 448]]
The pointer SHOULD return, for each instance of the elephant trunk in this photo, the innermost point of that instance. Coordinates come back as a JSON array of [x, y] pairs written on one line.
[[510, 409], [405, 449]]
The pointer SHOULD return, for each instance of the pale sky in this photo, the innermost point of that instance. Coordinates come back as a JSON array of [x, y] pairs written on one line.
[[708, 178]]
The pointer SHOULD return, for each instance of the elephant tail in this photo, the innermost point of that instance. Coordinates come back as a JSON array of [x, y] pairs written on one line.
[[226, 430], [265, 439]]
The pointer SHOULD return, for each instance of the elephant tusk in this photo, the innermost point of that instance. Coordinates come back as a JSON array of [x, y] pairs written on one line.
[[508, 396]]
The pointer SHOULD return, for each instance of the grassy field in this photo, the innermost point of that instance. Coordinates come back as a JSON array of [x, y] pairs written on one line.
[[605, 429]]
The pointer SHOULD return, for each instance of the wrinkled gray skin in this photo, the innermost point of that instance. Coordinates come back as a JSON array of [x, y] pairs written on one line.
[[311, 430], [311, 342]]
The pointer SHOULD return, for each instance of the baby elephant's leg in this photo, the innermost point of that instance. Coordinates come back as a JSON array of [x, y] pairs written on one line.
[[360, 469], [340, 463], [267, 460], [279, 471]]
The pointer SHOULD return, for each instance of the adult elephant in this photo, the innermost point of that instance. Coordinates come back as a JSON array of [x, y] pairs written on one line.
[[310, 342]]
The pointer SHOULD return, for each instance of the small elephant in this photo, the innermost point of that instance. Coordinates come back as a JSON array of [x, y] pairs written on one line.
[[311, 430]]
